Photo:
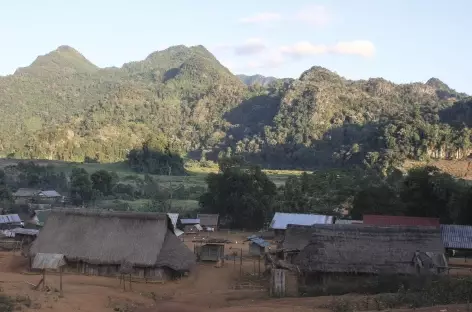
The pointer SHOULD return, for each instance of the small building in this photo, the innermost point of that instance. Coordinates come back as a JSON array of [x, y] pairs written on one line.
[[210, 252], [208, 221], [337, 253], [456, 238], [191, 226], [23, 196], [97, 242], [10, 221], [281, 220], [48, 197], [257, 245], [400, 220]]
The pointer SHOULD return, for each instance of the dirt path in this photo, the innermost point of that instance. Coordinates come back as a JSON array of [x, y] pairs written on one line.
[[207, 289]]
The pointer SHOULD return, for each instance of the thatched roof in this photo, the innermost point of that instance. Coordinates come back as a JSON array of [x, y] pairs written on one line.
[[208, 219], [368, 249], [297, 237], [102, 237], [26, 192], [48, 261]]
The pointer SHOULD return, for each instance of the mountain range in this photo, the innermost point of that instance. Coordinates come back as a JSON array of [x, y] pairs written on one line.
[[64, 107]]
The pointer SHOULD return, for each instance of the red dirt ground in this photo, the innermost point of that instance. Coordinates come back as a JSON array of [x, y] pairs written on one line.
[[207, 289]]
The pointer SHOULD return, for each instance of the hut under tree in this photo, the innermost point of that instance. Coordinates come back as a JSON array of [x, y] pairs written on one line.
[[97, 243]]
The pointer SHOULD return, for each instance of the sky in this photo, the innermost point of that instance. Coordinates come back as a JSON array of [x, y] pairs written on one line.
[[400, 40]]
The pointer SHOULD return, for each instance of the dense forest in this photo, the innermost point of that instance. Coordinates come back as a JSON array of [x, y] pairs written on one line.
[[185, 102]]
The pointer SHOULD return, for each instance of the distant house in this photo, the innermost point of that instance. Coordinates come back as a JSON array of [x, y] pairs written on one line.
[[373, 250], [211, 252], [456, 237], [208, 221], [257, 245], [24, 196], [102, 243], [341, 254], [281, 220], [400, 220], [10, 221], [191, 225], [48, 197]]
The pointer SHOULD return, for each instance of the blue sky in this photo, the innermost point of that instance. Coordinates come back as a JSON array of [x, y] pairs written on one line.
[[400, 40]]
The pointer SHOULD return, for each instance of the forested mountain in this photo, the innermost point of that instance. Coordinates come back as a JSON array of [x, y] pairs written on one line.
[[260, 80], [183, 100]]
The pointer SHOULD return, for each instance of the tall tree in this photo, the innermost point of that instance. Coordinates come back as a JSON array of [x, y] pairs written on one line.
[[243, 197]]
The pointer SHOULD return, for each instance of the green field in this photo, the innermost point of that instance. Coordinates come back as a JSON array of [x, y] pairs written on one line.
[[195, 177]]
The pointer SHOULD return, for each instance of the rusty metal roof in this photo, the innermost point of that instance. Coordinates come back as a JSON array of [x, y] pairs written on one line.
[[400, 220]]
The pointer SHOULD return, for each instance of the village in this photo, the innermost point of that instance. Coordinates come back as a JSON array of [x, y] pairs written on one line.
[[58, 258]]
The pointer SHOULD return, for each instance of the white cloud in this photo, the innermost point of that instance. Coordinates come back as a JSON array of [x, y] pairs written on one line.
[[358, 47], [261, 18], [302, 49], [270, 61], [316, 15], [250, 47]]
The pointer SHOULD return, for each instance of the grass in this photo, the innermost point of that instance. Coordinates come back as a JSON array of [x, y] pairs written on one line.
[[179, 204], [196, 175]]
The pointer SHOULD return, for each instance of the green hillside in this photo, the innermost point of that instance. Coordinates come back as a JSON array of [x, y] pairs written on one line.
[[63, 107]]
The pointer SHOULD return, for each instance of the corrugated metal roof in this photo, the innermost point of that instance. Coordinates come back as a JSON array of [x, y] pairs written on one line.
[[400, 220], [456, 236], [173, 218], [190, 221], [23, 231], [258, 240], [10, 218], [344, 221], [281, 220], [50, 193]]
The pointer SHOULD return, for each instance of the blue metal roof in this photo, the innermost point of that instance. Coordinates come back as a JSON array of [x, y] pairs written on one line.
[[258, 240], [190, 221], [10, 218], [281, 220], [456, 236]]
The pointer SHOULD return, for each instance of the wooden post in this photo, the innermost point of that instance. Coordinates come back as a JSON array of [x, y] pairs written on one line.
[[259, 272], [44, 278], [241, 263], [130, 282], [60, 281]]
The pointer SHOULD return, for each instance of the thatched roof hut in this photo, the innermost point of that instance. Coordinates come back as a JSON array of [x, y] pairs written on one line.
[[109, 238], [370, 249]]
